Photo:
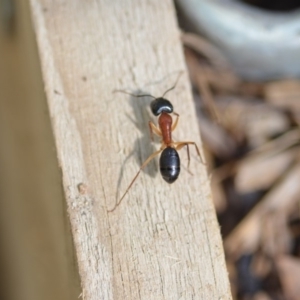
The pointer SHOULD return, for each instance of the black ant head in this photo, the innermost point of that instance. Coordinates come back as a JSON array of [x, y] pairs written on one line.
[[160, 105]]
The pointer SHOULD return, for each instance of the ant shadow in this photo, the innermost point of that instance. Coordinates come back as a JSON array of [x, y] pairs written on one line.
[[143, 146]]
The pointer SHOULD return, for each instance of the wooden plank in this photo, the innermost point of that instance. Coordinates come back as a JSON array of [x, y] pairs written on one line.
[[163, 242], [36, 255]]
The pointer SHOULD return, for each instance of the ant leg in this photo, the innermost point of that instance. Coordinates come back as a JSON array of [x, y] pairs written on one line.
[[176, 121], [155, 129], [179, 145], [135, 177]]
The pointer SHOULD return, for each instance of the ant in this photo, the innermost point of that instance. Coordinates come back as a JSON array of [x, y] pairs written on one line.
[[169, 161]]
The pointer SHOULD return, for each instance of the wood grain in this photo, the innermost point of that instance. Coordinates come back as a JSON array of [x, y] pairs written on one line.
[[37, 259], [163, 242]]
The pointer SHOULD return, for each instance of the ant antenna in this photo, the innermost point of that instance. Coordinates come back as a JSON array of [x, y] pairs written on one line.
[[173, 87], [138, 96], [148, 95]]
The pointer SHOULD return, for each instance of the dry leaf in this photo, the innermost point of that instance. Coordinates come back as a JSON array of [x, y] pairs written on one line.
[[261, 265], [275, 238], [284, 94], [259, 172], [246, 236], [257, 120], [289, 273], [261, 296], [205, 48], [216, 138]]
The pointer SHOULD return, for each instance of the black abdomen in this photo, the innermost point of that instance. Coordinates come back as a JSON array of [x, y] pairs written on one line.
[[169, 163]]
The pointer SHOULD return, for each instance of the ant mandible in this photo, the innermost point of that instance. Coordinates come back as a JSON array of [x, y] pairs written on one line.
[[169, 161]]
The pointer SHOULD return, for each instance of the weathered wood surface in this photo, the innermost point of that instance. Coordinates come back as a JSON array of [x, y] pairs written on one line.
[[36, 258], [163, 241]]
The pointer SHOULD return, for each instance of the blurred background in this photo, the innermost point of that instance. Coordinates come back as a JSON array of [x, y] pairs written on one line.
[[244, 64]]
